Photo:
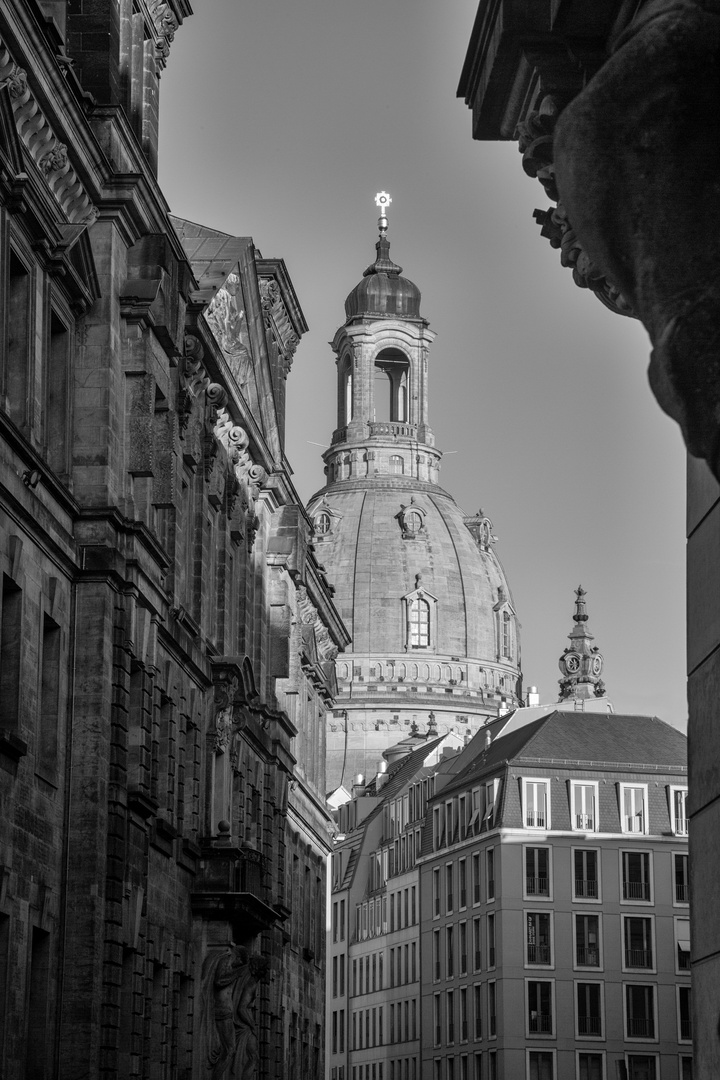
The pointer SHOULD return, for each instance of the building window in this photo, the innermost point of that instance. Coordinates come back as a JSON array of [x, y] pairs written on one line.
[[10, 654], [491, 940], [476, 877], [463, 1015], [537, 929], [536, 795], [449, 952], [642, 1067], [437, 1021], [636, 879], [589, 1014], [590, 1067], [56, 420], [490, 872], [539, 1007], [419, 619], [640, 1011], [322, 523], [436, 881], [49, 700], [637, 934], [537, 871], [462, 873], [477, 948], [492, 1010], [348, 394], [397, 466], [684, 1014], [686, 1069], [633, 808], [678, 806], [436, 955], [477, 1007], [584, 806], [682, 944], [682, 881], [463, 948], [587, 940], [17, 353], [540, 1065], [449, 884], [586, 881]]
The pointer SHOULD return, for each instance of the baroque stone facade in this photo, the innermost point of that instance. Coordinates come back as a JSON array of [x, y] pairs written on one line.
[[167, 636]]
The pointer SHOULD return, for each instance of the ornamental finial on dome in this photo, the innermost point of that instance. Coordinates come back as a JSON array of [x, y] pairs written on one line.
[[382, 201], [581, 663]]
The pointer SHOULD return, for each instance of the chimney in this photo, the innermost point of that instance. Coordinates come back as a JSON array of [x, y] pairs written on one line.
[[359, 786], [381, 778], [533, 697]]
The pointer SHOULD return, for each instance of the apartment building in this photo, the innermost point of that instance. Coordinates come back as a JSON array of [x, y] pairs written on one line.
[[553, 879]]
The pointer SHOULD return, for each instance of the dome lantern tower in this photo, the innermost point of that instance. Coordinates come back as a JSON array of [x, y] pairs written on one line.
[[435, 638], [581, 663]]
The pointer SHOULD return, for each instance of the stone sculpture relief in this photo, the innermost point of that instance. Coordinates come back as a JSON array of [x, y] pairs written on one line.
[[636, 157], [230, 981], [226, 318]]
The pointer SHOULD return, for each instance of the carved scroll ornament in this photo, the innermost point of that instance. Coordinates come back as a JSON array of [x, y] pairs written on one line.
[[637, 158]]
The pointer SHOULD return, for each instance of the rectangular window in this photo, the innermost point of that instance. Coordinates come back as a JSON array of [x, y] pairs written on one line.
[[638, 942], [342, 975], [462, 883], [17, 353], [587, 940], [342, 920], [477, 1008], [437, 1021], [475, 818], [334, 976], [636, 875], [642, 1067], [490, 872], [586, 881], [584, 804], [477, 1065], [678, 803], [541, 1065], [436, 892], [449, 888], [492, 792], [492, 1010], [682, 944], [633, 809], [436, 955], [589, 1013], [539, 1007], [684, 1014], [463, 948], [39, 1037], [342, 1031], [56, 379], [640, 1011], [10, 639], [682, 881], [463, 1015], [537, 804], [537, 928], [449, 952], [477, 944], [334, 1033], [438, 827], [590, 1067], [491, 940], [476, 877], [537, 871]]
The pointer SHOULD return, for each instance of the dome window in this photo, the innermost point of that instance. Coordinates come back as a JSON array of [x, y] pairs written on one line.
[[323, 523], [397, 465], [505, 627], [420, 609], [412, 520]]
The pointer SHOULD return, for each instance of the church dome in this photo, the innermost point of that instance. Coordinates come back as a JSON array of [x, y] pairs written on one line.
[[382, 290]]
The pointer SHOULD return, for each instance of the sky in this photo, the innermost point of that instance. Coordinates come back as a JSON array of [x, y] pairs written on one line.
[[280, 120]]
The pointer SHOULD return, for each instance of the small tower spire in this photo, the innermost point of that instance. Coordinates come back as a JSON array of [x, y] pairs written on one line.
[[581, 663]]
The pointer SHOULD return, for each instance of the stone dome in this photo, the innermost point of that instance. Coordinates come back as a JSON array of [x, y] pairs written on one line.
[[385, 544], [382, 290]]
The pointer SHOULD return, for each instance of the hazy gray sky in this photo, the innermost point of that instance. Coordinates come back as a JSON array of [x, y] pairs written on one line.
[[281, 120]]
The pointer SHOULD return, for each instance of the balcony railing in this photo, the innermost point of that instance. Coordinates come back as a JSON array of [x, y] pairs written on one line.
[[535, 819], [585, 821], [491, 888], [463, 898], [640, 1028], [681, 827], [464, 1031], [686, 1029], [540, 1022], [683, 960], [451, 1033], [478, 959], [437, 970], [586, 887], [492, 1023], [463, 963], [438, 1036], [538, 954], [638, 958], [589, 1025], [588, 956], [393, 428], [478, 1028], [682, 893], [491, 956], [636, 890], [538, 886]]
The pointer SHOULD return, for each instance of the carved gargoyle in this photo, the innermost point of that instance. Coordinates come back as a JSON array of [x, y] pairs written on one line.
[[637, 165]]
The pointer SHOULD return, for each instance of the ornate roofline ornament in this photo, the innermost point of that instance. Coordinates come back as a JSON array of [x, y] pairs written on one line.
[[581, 663], [45, 149]]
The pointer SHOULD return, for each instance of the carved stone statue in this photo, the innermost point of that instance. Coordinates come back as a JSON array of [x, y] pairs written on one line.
[[230, 980], [637, 162]]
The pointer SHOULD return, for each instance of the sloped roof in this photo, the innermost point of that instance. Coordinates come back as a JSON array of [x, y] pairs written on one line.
[[213, 255], [601, 741]]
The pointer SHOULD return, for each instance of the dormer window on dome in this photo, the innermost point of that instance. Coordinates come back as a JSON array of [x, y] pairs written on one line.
[[420, 610], [412, 521]]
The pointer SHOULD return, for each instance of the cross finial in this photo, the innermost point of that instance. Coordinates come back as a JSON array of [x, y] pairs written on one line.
[[382, 201]]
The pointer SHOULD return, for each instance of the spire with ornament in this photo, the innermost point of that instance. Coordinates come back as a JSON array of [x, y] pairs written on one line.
[[581, 663]]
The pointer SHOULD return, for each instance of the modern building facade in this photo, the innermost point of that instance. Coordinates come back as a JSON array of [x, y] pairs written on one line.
[[435, 635], [554, 905], [167, 637]]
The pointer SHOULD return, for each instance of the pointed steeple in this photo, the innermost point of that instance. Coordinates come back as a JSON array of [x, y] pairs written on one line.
[[581, 663]]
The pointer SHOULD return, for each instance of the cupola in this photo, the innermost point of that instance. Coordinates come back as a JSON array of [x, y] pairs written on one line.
[[383, 291], [581, 663]]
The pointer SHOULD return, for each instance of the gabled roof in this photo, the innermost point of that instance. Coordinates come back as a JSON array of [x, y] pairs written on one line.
[[212, 254]]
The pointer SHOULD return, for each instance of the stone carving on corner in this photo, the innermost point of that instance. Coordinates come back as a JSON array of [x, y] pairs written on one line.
[[535, 137], [165, 25], [481, 528], [41, 143], [230, 981], [637, 157], [226, 318]]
